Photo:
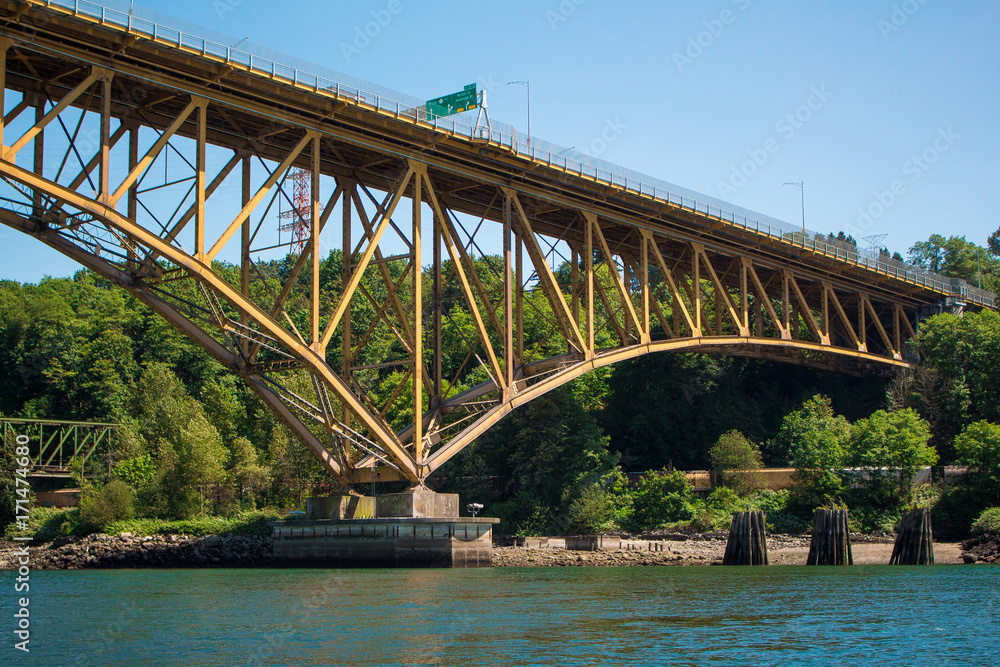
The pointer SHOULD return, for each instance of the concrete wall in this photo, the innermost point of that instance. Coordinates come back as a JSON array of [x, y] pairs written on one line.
[[587, 543], [594, 543]]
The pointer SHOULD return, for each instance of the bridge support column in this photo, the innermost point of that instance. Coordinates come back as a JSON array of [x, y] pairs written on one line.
[[340, 506], [417, 503]]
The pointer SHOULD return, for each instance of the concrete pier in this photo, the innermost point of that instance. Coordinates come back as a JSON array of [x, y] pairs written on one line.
[[415, 528], [397, 542]]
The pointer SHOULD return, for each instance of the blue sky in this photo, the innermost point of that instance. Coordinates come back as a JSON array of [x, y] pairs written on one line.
[[885, 109]]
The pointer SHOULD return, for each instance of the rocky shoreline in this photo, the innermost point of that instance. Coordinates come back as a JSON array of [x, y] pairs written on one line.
[[985, 549], [128, 551]]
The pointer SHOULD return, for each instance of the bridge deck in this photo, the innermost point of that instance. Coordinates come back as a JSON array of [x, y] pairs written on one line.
[[361, 128]]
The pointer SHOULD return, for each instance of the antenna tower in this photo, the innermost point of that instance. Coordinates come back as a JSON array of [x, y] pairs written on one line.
[[301, 211], [874, 244]]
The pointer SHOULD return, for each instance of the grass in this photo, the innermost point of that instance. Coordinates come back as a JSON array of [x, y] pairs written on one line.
[[48, 523], [251, 524]]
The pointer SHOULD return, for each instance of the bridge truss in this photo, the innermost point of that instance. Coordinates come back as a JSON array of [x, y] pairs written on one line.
[[432, 228]]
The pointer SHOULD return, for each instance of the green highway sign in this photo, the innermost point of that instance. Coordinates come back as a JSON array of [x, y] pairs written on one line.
[[463, 100]]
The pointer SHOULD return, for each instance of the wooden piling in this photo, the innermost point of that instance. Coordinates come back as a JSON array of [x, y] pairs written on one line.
[[747, 543], [831, 539], [915, 540]]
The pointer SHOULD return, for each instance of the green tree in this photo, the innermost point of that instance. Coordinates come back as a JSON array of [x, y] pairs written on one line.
[[816, 438], [546, 446], [843, 238], [200, 465], [8, 480], [248, 477], [662, 497], [958, 380], [650, 412], [163, 405], [978, 448], [736, 463], [957, 258], [987, 523], [136, 472], [221, 402], [591, 511], [888, 449]]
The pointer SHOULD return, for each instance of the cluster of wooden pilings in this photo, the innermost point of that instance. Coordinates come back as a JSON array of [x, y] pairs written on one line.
[[915, 540], [747, 543], [831, 539]]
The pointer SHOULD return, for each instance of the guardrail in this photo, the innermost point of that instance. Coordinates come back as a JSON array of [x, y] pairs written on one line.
[[344, 87]]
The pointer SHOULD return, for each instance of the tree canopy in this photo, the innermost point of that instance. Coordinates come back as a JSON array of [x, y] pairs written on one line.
[[888, 448], [817, 440], [958, 258]]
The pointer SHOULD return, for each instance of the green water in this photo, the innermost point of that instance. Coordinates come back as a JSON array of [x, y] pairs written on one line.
[[876, 615]]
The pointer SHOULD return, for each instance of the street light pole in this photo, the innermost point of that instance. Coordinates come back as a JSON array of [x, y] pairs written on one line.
[[527, 84], [802, 186]]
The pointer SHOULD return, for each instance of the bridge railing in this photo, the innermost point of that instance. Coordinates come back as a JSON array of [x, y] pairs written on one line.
[[54, 444], [345, 87]]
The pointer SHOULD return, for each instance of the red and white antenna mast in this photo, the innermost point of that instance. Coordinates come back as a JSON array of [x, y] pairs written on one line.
[[301, 211]]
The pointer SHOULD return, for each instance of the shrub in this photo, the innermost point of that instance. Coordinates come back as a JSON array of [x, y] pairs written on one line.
[[48, 523], [250, 523], [988, 522], [716, 513], [718, 509], [112, 502], [736, 463], [538, 523], [660, 498], [955, 511], [868, 518], [786, 522], [590, 512], [521, 515], [978, 447], [596, 503]]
